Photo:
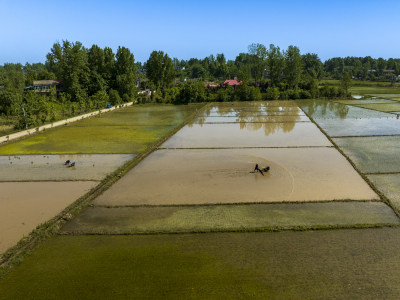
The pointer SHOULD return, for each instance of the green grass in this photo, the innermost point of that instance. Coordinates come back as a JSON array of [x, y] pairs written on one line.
[[385, 107], [337, 264], [359, 83], [135, 130], [365, 101], [142, 115], [368, 90], [122, 220]]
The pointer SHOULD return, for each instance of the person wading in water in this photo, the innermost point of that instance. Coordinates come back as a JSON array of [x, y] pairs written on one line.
[[257, 169]]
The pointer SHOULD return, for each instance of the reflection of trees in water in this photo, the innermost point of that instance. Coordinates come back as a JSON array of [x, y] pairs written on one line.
[[271, 122], [320, 108], [270, 127]]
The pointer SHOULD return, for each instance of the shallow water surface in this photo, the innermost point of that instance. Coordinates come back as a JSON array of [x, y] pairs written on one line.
[[251, 119], [223, 176], [327, 109], [360, 127], [25, 205], [372, 154], [388, 184], [284, 134], [51, 167]]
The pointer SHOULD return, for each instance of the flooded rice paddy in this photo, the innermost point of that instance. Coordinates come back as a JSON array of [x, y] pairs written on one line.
[[372, 154], [325, 109], [240, 135], [131, 220], [52, 167], [360, 127], [222, 176], [25, 205], [371, 143], [251, 119], [160, 195], [36, 185], [388, 184]]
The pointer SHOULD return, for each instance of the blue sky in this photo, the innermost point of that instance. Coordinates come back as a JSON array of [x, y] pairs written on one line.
[[186, 29]]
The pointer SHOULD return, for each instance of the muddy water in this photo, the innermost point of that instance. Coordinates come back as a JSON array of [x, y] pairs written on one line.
[[222, 176], [247, 135], [25, 205], [360, 127], [51, 167], [251, 119]]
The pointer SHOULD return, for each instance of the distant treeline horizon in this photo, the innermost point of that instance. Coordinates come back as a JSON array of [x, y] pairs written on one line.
[[92, 77]]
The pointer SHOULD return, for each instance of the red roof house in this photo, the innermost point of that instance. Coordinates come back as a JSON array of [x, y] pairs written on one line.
[[232, 82]]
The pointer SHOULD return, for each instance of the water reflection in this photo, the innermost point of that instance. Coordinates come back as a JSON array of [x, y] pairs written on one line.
[[268, 128], [255, 123], [254, 116], [324, 108]]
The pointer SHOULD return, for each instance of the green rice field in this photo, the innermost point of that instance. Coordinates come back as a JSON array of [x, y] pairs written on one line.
[[172, 219], [325, 109], [283, 265], [128, 134], [366, 90], [384, 107], [377, 154]]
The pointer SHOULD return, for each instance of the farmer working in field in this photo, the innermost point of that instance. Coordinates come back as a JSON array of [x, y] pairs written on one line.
[[257, 169]]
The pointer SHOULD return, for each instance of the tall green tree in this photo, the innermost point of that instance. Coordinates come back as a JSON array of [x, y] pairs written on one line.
[[69, 62], [293, 67], [160, 69], [345, 84], [257, 59], [275, 63], [312, 65], [125, 72]]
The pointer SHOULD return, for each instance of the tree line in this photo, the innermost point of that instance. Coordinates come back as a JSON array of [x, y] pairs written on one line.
[[93, 77]]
